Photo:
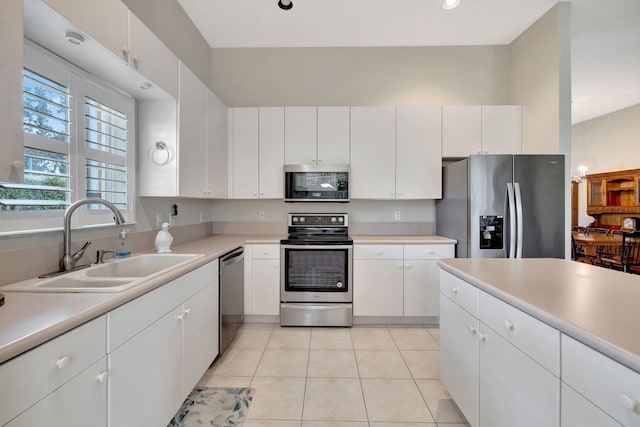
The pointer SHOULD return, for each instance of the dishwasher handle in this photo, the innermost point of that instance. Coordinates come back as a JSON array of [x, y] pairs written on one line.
[[232, 257]]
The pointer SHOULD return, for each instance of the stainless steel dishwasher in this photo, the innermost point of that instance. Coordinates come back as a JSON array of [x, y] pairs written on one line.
[[231, 296]]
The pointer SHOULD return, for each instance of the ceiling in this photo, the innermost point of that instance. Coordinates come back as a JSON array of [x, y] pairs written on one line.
[[605, 44]]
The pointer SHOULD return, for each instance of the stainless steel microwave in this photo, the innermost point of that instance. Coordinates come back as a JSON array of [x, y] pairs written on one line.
[[316, 183]]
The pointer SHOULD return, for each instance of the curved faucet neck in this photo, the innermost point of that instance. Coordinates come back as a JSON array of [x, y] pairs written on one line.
[[68, 259]]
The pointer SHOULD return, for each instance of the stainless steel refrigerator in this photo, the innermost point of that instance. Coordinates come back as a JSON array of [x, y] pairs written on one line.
[[504, 206]]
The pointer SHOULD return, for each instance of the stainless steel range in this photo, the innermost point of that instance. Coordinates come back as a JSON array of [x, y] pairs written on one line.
[[317, 271]]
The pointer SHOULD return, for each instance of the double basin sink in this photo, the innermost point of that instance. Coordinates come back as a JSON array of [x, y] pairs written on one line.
[[113, 276]]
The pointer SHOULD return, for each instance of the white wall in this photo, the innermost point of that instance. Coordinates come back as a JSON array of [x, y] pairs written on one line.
[[360, 76], [605, 144]]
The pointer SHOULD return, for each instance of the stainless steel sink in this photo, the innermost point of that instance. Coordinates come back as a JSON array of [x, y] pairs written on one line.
[[114, 276]]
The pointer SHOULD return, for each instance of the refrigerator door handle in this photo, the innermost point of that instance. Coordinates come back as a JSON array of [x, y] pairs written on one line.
[[520, 239], [512, 221]]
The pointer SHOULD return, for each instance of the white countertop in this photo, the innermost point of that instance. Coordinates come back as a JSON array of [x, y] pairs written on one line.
[[402, 239], [28, 319], [594, 305]]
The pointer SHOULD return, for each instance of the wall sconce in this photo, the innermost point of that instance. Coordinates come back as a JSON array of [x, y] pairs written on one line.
[[285, 4], [582, 177]]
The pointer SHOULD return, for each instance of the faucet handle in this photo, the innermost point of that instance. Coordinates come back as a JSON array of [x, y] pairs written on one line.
[[78, 254]]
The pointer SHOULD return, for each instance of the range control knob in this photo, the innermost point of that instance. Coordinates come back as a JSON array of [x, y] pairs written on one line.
[[301, 219], [334, 219], [341, 219], [339, 285]]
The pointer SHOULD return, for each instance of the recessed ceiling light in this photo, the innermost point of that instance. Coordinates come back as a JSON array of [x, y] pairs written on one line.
[[74, 38], [450, 4], [285, 4]]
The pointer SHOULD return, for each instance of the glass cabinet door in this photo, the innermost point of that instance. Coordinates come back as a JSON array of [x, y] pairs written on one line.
[[595, 192]]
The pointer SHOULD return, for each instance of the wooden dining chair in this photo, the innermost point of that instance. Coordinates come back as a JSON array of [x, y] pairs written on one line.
[[626, 256]]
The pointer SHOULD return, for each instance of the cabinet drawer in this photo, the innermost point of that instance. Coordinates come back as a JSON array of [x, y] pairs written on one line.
[[538, 340], [31, 376], [579, 412], [266, 252], [129, 319], [377, 251], [609, 385], [428, 251], [464, 294]]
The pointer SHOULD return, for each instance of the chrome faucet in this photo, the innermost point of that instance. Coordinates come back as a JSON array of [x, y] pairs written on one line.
[[69, 260]]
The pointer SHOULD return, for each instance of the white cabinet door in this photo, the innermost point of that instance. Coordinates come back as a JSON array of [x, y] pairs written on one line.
[[459, 357], [245, 153], [510, 381], [418, 153], [80, 402], [145, 375], [200, 335], [576, 411], [300, 135], [265, 296], [192, 131], [373, 135], [502, 129], [333, 135], [377, 288], [217, 148], [105, 21], [151, 57], [271, 153], [461, 130], [421, 288]]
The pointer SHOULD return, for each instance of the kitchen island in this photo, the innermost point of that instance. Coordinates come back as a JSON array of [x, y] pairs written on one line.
[[556, 332]]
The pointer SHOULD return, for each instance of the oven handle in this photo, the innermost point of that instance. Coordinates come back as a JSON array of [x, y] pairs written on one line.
[[312, 246]]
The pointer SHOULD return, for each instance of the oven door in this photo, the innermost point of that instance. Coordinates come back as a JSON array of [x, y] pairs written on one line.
[[316, 273]]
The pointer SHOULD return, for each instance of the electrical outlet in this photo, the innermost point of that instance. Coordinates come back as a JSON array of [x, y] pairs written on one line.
[[158, 220], [201, 217], [397, 216], [261, 215]]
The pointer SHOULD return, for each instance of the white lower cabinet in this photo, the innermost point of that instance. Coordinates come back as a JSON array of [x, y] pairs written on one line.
[[492, 379], [262, 280], [604, 383], [66, 372], [577, 411], [160, 344], [80, 402], [397, 280], [145, 383]]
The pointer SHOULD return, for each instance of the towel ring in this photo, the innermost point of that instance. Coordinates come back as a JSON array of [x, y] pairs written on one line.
[[159, 153]]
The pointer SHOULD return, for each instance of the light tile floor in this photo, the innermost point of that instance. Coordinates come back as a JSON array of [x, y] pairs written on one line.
[[338, 377]]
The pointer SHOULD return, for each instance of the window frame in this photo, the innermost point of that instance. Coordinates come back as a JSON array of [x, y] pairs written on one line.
[[79, 84]]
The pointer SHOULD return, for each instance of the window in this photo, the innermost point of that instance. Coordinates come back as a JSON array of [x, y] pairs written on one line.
[[78, 142]]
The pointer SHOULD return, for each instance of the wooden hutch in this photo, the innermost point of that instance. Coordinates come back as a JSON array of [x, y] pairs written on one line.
[[613, 196]]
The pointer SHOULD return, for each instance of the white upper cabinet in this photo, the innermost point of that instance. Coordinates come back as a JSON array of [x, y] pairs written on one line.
[[106, 22], [300, 135], [258, 153], [373, 133], [217, 148], [192, 131], [317, 135], [333, 135], [502, 129], [151, 58], [487, 129], [271, 148], [245, 153], [418, 153], [461, 130]]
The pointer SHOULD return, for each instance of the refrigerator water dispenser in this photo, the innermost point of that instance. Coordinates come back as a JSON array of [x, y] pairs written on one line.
[[491, 236]]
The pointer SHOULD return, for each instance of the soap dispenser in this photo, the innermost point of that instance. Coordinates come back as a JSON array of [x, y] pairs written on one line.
[[164, 239], [122, 250]]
